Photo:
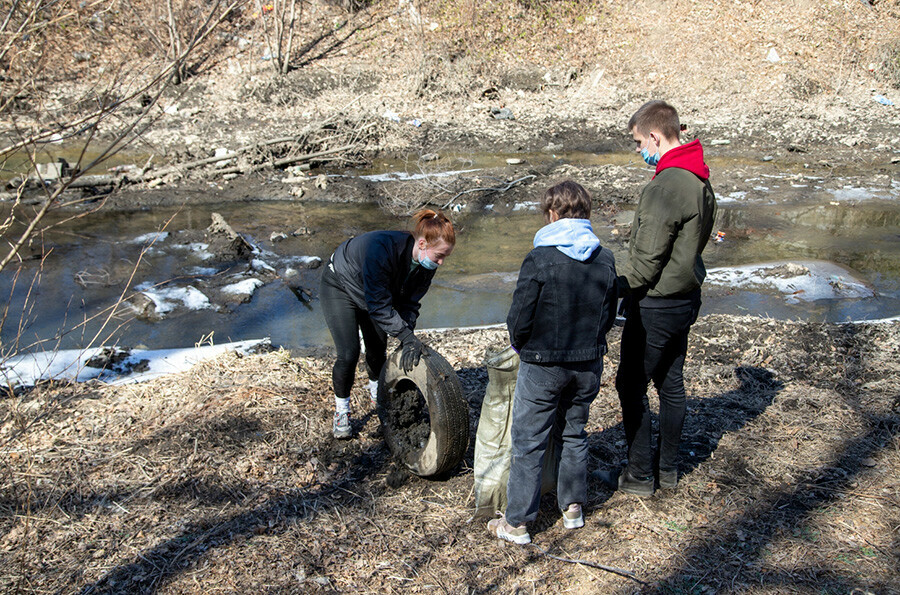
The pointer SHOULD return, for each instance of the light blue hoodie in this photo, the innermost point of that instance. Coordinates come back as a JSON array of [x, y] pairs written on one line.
[[573, 237]]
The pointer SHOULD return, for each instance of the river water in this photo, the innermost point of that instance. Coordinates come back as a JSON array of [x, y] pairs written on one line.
[[848, 233]]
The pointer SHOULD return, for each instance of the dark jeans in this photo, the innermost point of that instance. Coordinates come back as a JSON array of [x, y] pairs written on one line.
[[345, 320], [654, 344], [550, 399]]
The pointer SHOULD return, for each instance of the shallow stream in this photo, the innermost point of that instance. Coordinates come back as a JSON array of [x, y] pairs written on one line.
[[845, 232]]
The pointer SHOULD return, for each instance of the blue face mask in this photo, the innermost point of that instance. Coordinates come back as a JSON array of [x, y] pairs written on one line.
[[650, 159], [427, 262]]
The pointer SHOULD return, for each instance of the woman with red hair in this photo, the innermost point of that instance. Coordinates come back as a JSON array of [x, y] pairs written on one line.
[[374, 284]]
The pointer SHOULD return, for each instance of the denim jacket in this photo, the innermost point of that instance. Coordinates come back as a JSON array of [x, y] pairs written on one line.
[[562, 307]]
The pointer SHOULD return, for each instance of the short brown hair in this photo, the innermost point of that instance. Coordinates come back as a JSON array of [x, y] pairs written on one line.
[[433, 226], [656, 115], [567, 199]]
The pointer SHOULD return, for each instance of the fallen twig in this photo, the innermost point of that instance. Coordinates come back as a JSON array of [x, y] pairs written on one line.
[[492, 190], [612, 569]]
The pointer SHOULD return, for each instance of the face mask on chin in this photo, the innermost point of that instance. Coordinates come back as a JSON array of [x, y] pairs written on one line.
[[427, 262], [650, 159]]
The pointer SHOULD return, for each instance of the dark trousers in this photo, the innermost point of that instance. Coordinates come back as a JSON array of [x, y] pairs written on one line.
[[345, 321], [654, 344], [550, 400]]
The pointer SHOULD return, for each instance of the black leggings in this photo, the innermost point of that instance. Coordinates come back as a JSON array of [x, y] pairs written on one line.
[[345, 320]]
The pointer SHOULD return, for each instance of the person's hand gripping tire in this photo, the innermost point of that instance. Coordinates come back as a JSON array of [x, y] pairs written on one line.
[[412, 350]]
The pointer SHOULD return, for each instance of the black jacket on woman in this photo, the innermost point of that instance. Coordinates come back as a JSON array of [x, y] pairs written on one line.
[[376, 270], [562, 308]]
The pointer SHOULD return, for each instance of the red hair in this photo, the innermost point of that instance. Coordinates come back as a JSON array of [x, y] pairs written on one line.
[[433, 226]]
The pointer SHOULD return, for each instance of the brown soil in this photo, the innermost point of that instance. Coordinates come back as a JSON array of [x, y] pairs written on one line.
[[227, 479]]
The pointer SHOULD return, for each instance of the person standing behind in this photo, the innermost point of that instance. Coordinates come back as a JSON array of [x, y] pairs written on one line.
[[660, 283], [374, 283], [563, 306]]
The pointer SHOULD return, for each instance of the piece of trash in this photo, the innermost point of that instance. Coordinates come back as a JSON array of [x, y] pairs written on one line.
[[721, 141], [768, 158], [514, 161], [415, 122], [720, 237], [502, 113], [883, 100], [834, 203], [392, 116], [773, 56], [172, 109]]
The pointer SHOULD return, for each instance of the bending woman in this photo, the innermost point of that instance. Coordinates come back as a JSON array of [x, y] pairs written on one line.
[[374, 283]]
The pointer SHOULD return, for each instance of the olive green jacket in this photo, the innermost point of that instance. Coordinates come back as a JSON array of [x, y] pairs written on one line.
[[672, 224]]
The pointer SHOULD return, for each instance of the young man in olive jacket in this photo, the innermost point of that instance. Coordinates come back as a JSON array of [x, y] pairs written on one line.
[[563, 306], [661, 286]]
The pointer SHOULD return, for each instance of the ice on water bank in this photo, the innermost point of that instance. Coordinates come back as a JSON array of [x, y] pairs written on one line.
[[407, 177], [245, 287], [803, 281], [151, 238], [113, 365], [167, 299]]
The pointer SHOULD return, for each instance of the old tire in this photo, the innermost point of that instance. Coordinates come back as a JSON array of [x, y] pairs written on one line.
[[424, 414]]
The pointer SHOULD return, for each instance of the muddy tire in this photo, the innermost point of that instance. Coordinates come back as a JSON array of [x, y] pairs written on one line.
[[424, 414]]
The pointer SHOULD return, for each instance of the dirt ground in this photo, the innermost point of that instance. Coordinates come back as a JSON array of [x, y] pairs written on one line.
[[226, 479]]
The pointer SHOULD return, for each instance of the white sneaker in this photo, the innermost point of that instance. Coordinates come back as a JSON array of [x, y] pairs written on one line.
[[500, 529], [341, 425], [573, 517], [373, 392]]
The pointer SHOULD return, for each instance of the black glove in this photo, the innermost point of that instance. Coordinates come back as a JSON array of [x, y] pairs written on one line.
[[412, 350]]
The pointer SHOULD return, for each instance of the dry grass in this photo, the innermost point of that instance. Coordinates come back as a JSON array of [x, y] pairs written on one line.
[[226, 479]]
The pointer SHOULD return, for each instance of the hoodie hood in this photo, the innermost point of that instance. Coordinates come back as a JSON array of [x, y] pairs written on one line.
[[573, 237], [689, 157]]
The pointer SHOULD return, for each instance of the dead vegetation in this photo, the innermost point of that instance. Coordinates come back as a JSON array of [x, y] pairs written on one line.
[[226, 479]]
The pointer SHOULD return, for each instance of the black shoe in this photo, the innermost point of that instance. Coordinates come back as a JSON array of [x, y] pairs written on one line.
[[637, 486], [668, 480]]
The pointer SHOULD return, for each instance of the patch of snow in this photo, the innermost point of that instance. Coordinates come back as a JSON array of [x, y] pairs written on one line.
[[150, 238], [134, 366], [260, 266], [736, 196], [198, 248], [805, 281], [852, 194], [245, 287], [166, 299], [406, 177]]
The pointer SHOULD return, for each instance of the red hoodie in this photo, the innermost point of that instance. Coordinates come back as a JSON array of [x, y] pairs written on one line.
[[689, 157]]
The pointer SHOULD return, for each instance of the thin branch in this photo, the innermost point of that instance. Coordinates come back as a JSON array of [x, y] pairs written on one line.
[[491, 190], [621, 572]]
